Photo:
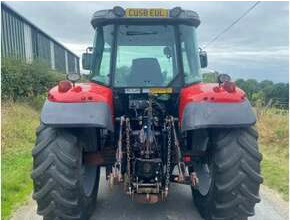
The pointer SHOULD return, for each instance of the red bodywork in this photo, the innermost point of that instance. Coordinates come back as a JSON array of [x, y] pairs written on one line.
[[208, 92], [202, 92], [83, 92]]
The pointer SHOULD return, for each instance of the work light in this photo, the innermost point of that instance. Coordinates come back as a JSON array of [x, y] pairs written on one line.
[[73, 77], [223, 78], [175, 12], [119, 11]]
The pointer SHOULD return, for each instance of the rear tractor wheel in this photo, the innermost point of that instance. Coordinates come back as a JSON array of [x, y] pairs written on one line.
[[229, 181], [64, 187]]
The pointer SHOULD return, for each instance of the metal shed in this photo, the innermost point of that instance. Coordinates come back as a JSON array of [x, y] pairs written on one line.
[[22, 39]]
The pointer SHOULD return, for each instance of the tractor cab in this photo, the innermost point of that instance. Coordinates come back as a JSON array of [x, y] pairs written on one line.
[[138, 49]]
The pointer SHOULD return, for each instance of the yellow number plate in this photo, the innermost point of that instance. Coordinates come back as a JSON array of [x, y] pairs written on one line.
[[143, 12], [160, 90]]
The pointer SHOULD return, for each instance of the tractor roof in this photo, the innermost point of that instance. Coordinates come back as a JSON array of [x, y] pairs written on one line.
[[118, 15]]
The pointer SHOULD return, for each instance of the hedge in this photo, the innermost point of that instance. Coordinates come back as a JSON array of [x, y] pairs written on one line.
[[26, 80]]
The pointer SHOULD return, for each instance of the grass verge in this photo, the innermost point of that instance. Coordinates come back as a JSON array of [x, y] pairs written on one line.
[[273, 133], [19, 122]]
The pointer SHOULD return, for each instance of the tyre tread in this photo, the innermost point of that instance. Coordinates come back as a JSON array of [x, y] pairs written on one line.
[[235, 190], [55, 176]]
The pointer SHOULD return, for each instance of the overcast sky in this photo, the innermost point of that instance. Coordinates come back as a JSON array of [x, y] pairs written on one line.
[[257, 47]]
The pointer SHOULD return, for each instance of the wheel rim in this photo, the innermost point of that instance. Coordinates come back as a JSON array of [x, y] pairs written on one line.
[[204, 173], [89, 174]]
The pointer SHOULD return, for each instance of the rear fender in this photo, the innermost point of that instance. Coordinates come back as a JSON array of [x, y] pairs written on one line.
[[84, 105], [203, 106]]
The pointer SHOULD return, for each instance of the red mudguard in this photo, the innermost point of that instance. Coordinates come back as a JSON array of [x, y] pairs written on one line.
[[210, 105], [83, 92], [83, 105]]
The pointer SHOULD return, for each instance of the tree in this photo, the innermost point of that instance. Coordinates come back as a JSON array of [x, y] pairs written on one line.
[[251, 87], [265, 83], [263, 92], [210, 77]]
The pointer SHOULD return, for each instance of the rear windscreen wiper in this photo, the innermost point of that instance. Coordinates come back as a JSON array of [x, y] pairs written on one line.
[[133, 33]]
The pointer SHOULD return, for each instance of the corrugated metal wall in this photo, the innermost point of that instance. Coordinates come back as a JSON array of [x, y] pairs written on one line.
[[21, 39], [59, 54]]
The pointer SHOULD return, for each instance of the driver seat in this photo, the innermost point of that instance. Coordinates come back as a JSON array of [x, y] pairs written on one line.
[[145, 72]]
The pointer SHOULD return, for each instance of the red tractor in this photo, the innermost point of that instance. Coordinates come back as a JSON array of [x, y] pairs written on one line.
[[147, 118]]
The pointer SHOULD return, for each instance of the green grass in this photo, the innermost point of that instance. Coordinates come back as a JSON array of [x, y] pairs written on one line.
[[273, 133], [275, 175], [19, 122]]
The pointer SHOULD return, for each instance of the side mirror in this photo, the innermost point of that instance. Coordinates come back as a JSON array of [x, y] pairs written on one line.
[[87, 60], [203, 58]]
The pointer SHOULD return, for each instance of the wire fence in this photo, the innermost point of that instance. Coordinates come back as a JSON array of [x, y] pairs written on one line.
[[276, 106]]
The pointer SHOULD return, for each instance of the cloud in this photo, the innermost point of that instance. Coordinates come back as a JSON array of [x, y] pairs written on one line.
[[276, 53], [257, 47], [77, 48]]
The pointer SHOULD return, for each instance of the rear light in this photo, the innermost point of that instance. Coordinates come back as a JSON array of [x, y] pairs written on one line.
[[186, 158], [64, 86], [229, 86], [50, 97], [77, 89], [217, 89]]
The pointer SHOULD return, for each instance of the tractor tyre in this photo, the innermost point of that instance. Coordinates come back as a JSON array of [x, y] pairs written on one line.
[[230, 179], [64, 187]]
